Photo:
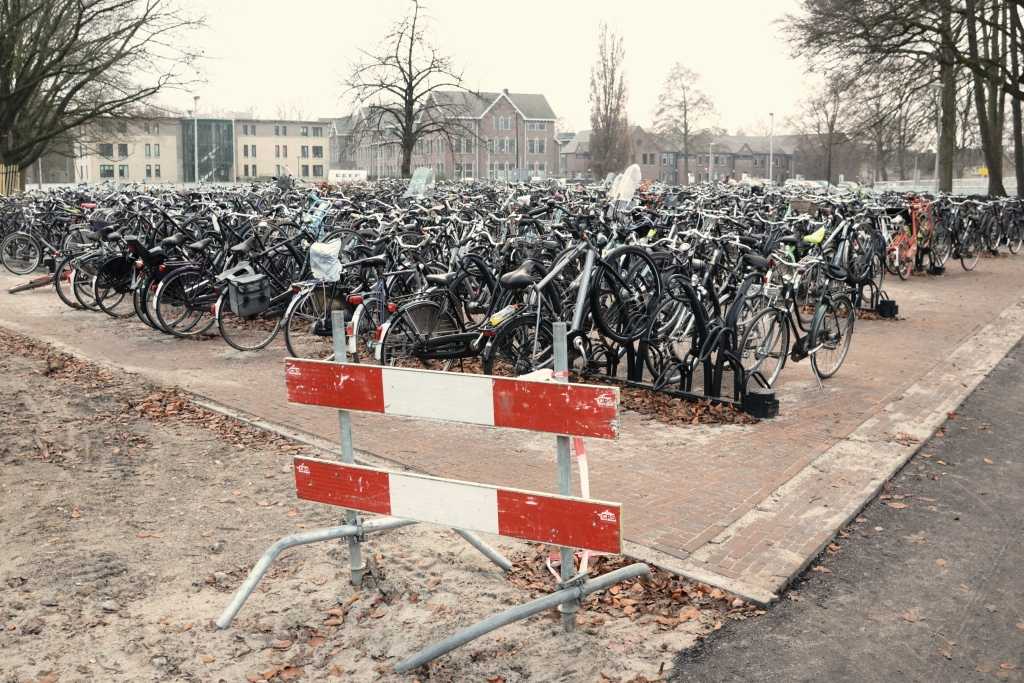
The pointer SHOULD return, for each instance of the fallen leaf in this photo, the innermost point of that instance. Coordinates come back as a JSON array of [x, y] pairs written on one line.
[[316, 641], [689, 613], [911, 616], [940, 562], [988, 461], [1020, 626], [76, 513], [281, 644], [207, 659], [1007, 666], [896, 505], [290, 673], [821, 570]]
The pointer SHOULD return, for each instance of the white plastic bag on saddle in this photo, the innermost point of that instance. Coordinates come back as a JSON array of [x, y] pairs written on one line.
[[324, 262]]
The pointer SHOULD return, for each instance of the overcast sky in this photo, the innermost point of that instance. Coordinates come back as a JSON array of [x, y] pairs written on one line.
[[265, 54]]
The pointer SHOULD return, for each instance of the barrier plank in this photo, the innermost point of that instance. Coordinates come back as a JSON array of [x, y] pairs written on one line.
[[550, 407], [528, 515]]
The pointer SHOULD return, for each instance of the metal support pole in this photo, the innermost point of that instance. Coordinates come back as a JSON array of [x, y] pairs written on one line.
[[771, 149], [487, 551], [305, 538], [573, 595], [355, 554], [568, 560]]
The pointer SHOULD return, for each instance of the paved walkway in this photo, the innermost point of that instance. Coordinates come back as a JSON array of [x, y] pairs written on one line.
[[927, 585], [688, 493]]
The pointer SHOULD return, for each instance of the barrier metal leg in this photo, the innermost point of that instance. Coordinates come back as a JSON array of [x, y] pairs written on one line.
[[304, 538], [487, 551], [355, 552], [568, 561], [573, 594]]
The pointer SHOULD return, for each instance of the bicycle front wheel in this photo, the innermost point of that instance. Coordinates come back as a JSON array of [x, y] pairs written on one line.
[[625, 294], [831, 334], [308, 326], [764, 345]]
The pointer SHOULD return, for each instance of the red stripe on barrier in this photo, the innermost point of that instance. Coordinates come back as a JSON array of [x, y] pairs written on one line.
[[560, 521], [335, 385], [355, 488], [573, 409]]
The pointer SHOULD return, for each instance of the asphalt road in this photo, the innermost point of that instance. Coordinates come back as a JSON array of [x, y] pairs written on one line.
[[927, 585]]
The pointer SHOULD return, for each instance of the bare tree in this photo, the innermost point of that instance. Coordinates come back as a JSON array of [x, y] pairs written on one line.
[[609, 137], [67, 63], [400, 87], [825, 123], [682, 108]]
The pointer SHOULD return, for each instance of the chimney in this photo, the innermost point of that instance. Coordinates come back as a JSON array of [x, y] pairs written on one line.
[[505, 90]]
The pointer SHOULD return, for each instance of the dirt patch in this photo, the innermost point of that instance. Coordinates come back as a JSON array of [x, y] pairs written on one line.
[[130, 515]]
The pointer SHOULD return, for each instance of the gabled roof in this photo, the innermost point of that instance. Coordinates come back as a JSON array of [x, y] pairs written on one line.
[[475, 105]]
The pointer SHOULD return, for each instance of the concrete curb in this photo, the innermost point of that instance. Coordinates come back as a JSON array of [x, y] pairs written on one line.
[[866, 459]]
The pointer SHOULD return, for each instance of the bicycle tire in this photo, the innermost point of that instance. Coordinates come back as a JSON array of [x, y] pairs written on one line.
[[20, 253], [632, 271], [62, 275], [246, 333], [832, 333], [758, 341]]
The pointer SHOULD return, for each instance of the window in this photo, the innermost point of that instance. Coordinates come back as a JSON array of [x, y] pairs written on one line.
[[156, 129], [156, 170], [245, 152], [277, 130], [245, 171], [536, 125], [305, 151], [149, 170], [156, 150], [277, 151], [304, 131], [122, 151], [305, 170], [122, 171], [318, 171], [254, 173], [284, 130], [252, 150], [145, 126], [318, 152], [122, 126], [542, 167], [106, 170], [149, 150], [284, 151], [318, 132]]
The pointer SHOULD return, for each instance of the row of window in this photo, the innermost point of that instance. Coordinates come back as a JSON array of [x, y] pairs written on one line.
[[464, 145], [279, 130], [250, 170], [505, 123], [282, 151], [106, 149], [107, 171]]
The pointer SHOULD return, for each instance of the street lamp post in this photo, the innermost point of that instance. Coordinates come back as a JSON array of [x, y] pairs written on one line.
[[711, 171], [771, 148], [938, 131], [195, 139]]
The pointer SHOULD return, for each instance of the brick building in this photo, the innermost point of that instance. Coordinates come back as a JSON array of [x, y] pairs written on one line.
[[496, 135]]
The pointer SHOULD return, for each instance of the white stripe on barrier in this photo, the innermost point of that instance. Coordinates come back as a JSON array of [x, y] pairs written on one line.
[[448, 397], [457, 504]]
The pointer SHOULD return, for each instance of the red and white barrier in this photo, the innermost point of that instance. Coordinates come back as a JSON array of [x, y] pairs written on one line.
[[570, 409], [528, 515]]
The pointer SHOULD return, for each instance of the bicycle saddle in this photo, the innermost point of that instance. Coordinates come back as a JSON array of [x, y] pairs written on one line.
[[245, 246], [200, 245], [816, 237], [518, 278], [112, 236], [173, 240], [441, 279], [756, 262]]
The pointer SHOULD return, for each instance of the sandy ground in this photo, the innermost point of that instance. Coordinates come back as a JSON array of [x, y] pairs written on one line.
[[128, 516]]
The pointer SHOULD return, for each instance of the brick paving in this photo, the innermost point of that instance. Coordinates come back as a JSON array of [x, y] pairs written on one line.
[[681, 487]]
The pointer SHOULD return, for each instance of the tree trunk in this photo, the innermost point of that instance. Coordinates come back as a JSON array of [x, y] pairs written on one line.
[[1018, 129], [947, 77]]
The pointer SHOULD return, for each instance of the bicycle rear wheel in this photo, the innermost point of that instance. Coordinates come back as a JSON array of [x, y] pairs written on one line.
[[20, 253], [247, 332], [831, 334], [183, 303], [62, 282], [970, 249], [409, 328], [520, 347]]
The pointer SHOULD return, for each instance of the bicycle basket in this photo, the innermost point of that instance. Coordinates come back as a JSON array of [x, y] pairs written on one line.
[[249, 294], [323, 260]]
